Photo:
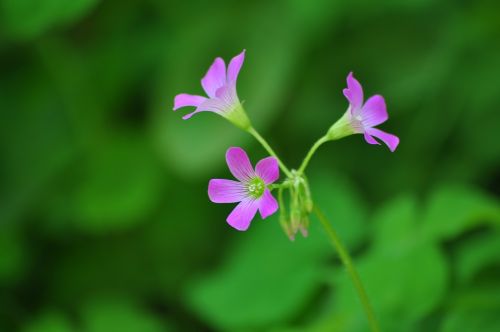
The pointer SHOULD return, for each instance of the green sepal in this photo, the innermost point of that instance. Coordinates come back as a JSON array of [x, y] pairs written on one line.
[[239, 118], [341, 128]]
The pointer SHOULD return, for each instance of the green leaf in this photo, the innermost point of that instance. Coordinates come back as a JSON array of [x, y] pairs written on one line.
[[341, 202], [119, 315], [13, 255], [474, 310], [404, 275], [265, 279], [49, 321], [484, 321], [452, 210], [30, 18], [407, 283], [477, 254], [148, 259], [118, 184], [35, 140], [395, 224]]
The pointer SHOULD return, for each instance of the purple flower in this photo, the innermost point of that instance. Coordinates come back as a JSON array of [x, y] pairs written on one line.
[[250, 190], [363, 117], [220, 87]]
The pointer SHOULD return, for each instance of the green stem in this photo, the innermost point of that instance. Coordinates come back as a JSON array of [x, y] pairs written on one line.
[[309, 155], [282, 185], [346, 260], [266, 146]]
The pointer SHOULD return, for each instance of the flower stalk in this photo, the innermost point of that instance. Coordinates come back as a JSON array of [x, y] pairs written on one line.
[[353, 274], [268, 148], [311, 152]]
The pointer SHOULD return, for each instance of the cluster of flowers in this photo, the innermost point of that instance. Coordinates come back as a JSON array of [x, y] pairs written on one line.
[[253, 187]]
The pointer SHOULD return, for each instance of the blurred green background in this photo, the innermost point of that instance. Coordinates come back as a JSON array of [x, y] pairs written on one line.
[[105, 223]]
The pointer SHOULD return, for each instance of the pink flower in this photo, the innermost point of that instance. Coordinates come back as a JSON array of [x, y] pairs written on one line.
[[364, 117], [220, 87], [250, 190]]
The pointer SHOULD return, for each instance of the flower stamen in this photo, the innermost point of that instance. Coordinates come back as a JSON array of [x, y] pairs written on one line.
[[256, 187]]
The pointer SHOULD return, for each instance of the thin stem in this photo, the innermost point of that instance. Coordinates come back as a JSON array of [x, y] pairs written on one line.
[[266, 146], [309, 155], [282, 185], [346, 260]]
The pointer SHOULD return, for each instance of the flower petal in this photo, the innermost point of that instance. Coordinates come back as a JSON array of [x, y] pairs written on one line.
[[227, 96], [214, 78], [239, 164], [370, 140], [184, 99], [354, 93], [189, 115], [390, 140], [242, 214], [267, 204], [226, 191], [235, 66], [268, 170], [209, 105], [374, 111]]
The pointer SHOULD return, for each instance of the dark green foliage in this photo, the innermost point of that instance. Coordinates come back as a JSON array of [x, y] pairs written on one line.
[[105, 223]]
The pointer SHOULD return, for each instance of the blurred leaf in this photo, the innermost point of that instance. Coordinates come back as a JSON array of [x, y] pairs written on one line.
[[475, 310], [477, 254], [341, 202], [405, 277], [407, 283], [168, 241], [481, 320], [452, 210], [119, 184], [30, 18], [119, 315], [49, 321], [13, 255], [150, 260], [112, 266], [35, 139], [265, 279], [394, 224]]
